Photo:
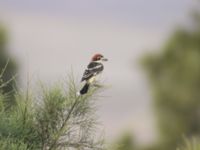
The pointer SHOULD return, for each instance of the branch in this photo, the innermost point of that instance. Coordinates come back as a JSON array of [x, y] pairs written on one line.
[[63, 125]]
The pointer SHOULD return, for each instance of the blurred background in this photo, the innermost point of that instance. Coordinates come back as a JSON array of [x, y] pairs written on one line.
[[153, 70]]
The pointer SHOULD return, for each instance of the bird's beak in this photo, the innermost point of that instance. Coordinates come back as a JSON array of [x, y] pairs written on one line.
[[104, 59]]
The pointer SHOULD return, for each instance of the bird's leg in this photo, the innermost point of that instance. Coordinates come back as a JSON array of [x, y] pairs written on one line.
[[97, 84]]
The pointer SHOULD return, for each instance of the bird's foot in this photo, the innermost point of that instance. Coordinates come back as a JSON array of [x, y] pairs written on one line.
[[97, 85]]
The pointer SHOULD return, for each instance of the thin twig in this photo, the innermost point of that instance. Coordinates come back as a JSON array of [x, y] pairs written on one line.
[[4, 69], [64, 123], [27, 93], [7, 82]]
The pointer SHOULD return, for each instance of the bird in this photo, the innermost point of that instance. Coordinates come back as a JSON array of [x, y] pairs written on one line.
[[94, 68]]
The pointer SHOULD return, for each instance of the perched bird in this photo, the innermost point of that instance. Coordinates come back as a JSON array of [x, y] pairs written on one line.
[[94, 68]]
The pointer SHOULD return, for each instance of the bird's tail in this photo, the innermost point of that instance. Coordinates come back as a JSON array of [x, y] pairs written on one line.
[[85, 89]]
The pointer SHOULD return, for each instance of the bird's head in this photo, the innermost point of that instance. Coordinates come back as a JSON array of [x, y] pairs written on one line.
[[99, 57]]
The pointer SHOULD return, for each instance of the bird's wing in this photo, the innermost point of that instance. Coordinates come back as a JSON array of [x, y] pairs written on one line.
[[92, 69], [87, 75]]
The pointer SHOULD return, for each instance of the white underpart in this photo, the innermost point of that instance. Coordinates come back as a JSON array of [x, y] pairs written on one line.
[[93, 79]]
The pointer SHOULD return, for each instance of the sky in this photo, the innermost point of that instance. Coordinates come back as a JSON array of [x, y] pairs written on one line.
[[49, 38]]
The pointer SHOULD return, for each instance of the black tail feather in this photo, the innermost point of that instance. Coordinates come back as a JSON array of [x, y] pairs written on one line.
[[85, 89]]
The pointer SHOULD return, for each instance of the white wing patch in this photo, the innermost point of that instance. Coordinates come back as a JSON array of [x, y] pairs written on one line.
[[93, 69], [96, 67]]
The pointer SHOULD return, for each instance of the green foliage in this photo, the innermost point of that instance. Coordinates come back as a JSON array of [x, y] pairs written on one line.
[[8, 69], [125, 142], [193, 144], [174, 76], [8, 144], [54, 119]]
